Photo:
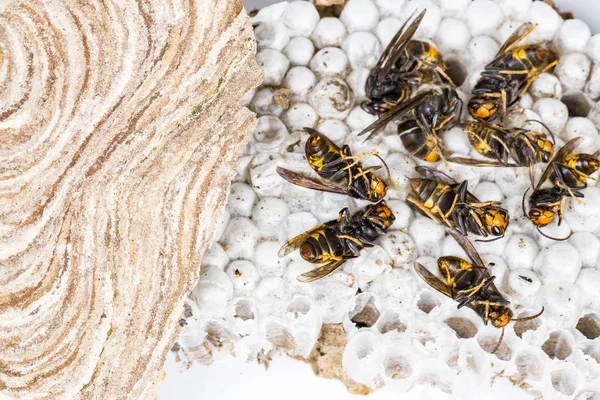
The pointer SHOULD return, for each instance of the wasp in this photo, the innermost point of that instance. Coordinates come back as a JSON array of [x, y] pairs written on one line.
[[508, 76], [470, 284], [442, 199], [568, 173], [336, 241], [429, 112], [341, 171], [404, 64], [525, 147]]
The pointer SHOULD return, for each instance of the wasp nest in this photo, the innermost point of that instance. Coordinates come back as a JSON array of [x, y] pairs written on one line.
[[118, 125], [395, 327]]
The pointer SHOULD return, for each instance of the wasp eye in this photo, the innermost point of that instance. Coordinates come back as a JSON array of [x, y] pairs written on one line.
[[496, 231], [535, 213]]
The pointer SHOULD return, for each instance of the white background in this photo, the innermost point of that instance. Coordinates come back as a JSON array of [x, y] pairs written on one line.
[[288, 379]]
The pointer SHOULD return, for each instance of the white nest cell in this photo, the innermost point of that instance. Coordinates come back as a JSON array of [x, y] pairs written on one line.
[[399, 328]]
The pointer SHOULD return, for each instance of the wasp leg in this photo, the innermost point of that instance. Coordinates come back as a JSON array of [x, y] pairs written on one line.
[[350, 238], [568, 189], [475, 217], [534, 76], [470, 293], [426, 211], [440, 71]]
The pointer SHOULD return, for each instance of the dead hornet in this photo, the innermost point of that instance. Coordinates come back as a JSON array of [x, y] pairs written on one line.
[[429, 112], [508, 76], [470, 284], [568, 173], [334, 242], [525, 147], [442, 199], [341, 171], [404, 64]]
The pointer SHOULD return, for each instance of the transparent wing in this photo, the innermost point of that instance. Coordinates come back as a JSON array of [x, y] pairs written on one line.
[[321, 271], [432, 280], [467, 246], [518, 35], [563, 153], [398, 111], [394, 49], [308, 182]]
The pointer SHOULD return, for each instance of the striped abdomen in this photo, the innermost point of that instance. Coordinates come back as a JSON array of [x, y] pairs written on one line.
[[322, 246], [416, 142], [440, 199]]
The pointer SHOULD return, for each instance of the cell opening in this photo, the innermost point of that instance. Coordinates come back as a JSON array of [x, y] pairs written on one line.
[[243, 310], [577, 103], [365, 314], [463, 327], [456, 70], [558, 346], [427, 302], [589, 326]]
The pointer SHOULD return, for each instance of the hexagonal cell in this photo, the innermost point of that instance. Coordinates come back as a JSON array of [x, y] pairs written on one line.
[[456, 69], [520, 327], [488, 343], [565, 380], [217, 333], [364, 314], [244, 310], [397, 367], [558, 345], [390, 322], [592, 349], [530, 366], [427, 302], [280, 336], [589, 325], [463, 327], [577, 103], [299, 306]]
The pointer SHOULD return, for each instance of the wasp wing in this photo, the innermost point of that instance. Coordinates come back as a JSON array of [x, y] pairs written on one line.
[[398, 111], [310, 183], [394, 49], [518, 35], [467, 246], [432, 280], [321, 271], [434, 174], [297, 241], [563, 153], [479, 163]]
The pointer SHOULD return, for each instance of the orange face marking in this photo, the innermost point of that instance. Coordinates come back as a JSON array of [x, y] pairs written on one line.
[[501, 319]]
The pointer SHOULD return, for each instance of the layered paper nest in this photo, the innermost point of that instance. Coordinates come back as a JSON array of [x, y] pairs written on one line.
[[373, 321], [119, 123]]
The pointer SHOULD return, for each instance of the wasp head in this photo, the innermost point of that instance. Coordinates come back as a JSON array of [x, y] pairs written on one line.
[[381, 215], [544, 147], [541, 216], [496, 221], [500, 315], [378, 188]]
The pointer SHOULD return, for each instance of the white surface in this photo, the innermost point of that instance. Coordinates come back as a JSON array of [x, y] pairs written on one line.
[[234, 379]]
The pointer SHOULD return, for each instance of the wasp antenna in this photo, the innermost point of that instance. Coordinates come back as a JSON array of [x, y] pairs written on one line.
[[545, 126], [523, 204], [530, 317], [385, 165], [553, 238], [489, 240], [499, 342]]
